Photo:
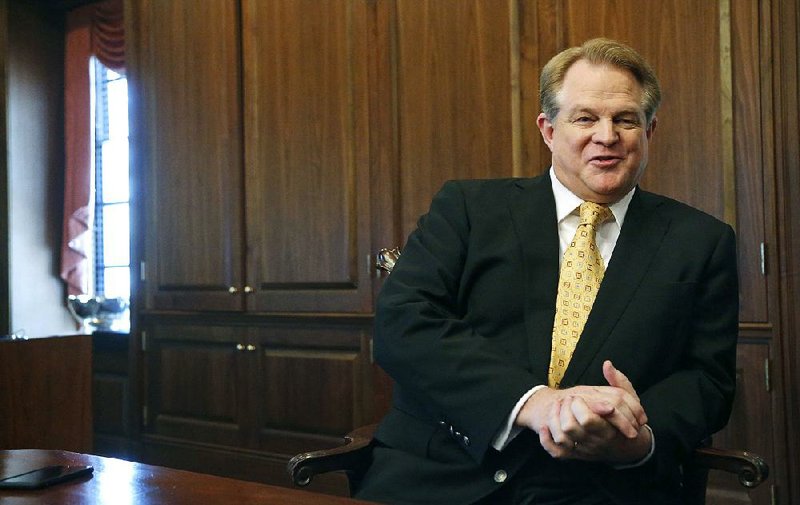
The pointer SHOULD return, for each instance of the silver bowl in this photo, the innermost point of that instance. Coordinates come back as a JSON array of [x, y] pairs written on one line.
[[97, 311]]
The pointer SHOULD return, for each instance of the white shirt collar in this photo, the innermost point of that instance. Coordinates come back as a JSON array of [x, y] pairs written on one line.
[[567, 201]]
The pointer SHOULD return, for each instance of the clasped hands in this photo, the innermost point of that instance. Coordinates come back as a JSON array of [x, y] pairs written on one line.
[[591, 423]]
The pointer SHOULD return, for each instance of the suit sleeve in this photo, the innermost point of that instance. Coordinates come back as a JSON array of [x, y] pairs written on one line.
[[695, 400], [422, 336]]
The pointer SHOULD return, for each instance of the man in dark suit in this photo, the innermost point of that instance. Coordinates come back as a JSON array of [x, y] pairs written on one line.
[[467, 323]]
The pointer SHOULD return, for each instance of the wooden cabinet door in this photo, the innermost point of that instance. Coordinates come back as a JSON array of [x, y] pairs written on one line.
[[309, 385], [195, 384], [186, 112], [306, 155], [448, 70], [750, 426]]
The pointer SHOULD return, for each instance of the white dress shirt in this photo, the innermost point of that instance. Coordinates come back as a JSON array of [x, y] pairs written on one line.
[[568, 216]]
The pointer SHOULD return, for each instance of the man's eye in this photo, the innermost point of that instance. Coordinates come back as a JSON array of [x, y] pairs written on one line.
[[583, 120], [628, 122]]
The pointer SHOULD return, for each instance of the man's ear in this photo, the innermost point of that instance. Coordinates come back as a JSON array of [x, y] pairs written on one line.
[[546, 129], [651, 128]]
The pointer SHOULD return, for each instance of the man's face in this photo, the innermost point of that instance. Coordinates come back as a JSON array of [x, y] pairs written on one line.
[[599, 137]]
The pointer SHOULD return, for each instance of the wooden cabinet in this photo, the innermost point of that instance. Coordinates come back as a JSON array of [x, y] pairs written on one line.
[[238, 390], [253, 148], [310, 383], [196, 383], [306, 155], [250, 127], [186, 100]]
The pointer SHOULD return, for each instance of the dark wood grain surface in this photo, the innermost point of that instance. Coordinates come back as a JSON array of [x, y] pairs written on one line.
[[46, 393], [121, 482]]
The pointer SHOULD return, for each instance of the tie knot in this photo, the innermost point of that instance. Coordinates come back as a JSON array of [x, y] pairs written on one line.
[[594, 214]]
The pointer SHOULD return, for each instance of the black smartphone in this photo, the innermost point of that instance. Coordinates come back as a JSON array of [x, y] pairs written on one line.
[[47, 476]]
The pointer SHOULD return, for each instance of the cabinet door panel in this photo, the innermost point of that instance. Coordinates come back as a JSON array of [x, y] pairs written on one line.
[[186, 79], [195, 384], [310, 384], [110, 400], [306, 155], [750, 147], [456, 96], [750, 426]]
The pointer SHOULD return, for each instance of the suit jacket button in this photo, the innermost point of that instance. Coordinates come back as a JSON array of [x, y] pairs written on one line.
[[500, 476]]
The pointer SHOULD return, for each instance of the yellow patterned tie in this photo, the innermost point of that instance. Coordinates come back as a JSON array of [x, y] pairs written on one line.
[[582, 272]]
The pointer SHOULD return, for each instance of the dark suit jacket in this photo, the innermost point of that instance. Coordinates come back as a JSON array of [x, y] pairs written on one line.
[[464, 324]]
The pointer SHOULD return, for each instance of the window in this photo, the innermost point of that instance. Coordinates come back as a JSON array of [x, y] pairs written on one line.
[[112, 190]]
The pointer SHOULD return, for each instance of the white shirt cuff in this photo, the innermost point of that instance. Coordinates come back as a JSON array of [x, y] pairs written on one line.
[[644, 459], [509, 431]]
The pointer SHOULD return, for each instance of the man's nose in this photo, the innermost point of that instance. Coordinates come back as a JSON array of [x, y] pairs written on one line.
[[605, 132]]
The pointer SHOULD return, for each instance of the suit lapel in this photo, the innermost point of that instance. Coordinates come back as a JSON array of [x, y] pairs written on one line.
[[533, 213], [640, 237]]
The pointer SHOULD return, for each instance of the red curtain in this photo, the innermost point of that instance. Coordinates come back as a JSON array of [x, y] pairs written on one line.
[[92, 30], [108, 34]]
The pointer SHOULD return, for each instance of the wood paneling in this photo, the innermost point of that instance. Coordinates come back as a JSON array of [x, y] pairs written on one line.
[[110, 395], [681, 40], [304, 402], [698, 51], [309, 385], [196, 384], [306, 144], [751, 147], [46, 393], [784, 16], [752, 413], [277, 388], [463, 85], [188, 57], [453, 79], [250, 127]]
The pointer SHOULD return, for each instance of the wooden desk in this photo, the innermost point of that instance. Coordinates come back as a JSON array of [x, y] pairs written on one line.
[[118, 482]]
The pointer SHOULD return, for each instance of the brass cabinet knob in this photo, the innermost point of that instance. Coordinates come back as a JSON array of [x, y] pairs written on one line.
[[232, 290], [248, 289]]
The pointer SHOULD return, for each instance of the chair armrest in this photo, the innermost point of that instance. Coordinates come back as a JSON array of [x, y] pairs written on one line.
[[353, 456], [751, 468]]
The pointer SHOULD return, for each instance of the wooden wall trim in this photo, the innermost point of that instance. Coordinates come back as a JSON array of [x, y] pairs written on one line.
[[516, 90], [784, 67], [726, 108]]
